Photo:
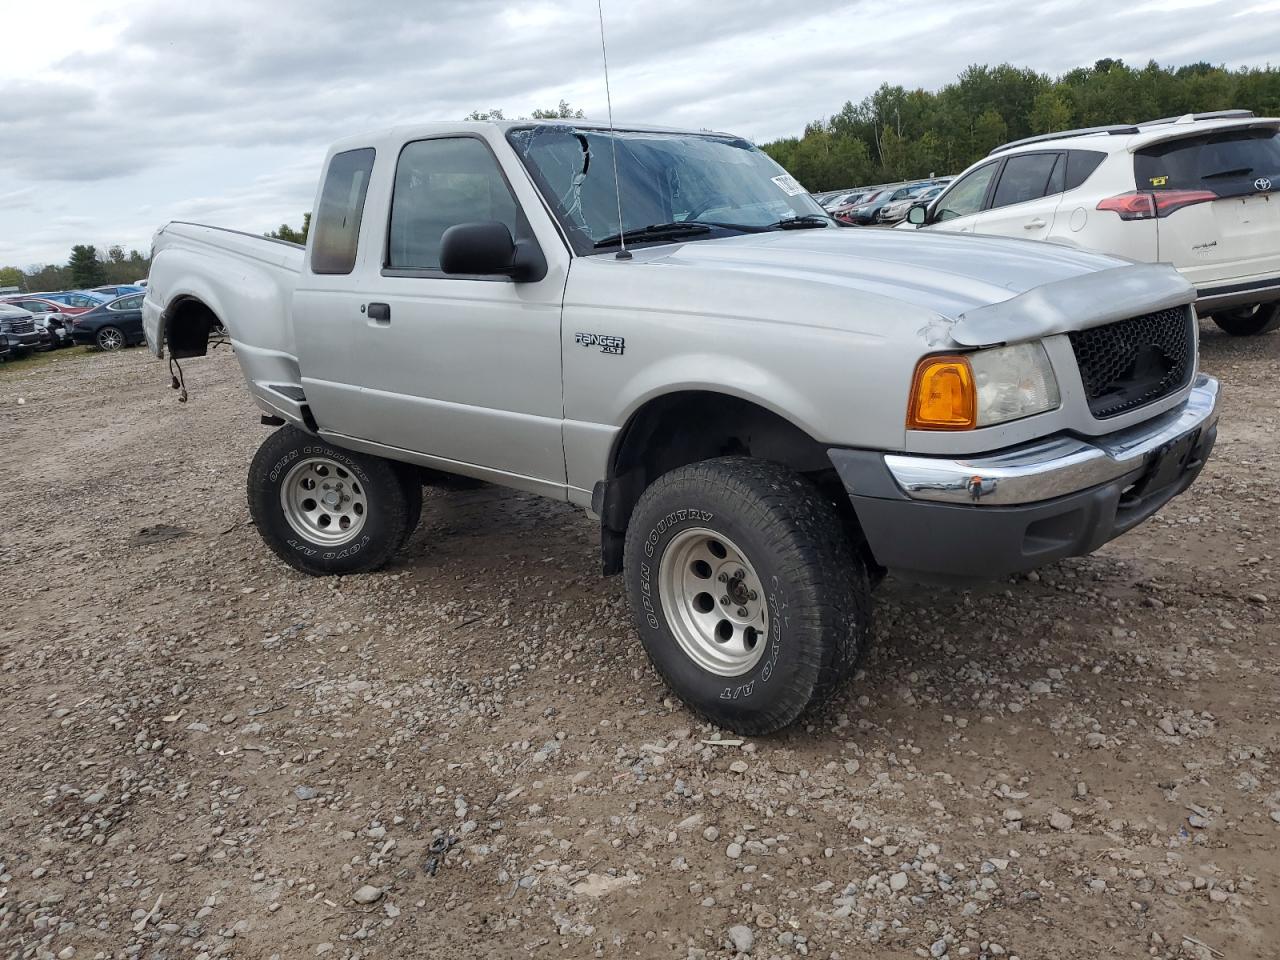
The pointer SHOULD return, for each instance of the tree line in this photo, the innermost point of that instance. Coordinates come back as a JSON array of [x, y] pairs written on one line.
[[900, 134], [87, 267]]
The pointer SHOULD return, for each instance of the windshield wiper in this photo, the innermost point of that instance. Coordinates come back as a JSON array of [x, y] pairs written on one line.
[[1238, 172], [804, 221], [673, 230]]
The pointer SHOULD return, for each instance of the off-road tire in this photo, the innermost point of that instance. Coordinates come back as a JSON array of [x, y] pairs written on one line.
[[412, 487], [1249, 321], [386, 525], [816, 588]]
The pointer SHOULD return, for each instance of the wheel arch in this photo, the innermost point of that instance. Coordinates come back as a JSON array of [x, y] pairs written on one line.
[[186, 325], [685, 426]]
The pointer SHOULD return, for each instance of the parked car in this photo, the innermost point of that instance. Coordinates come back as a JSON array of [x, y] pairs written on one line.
[[844, 213], [868, 211], [6, 352], [53, 316], [19, 326], [111, 326], [764, 412], [1201, 192], [894, 212], [82, 299], [841, 199], [120, 290]]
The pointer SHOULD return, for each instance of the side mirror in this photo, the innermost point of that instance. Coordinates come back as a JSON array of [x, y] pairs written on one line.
[[487, 249], [917, 214]]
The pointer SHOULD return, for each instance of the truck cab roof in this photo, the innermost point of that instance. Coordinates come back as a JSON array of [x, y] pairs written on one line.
[[417, 131]]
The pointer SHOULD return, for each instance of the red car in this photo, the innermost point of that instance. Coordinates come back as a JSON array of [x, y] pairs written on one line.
[[841, 213], [57, 318]]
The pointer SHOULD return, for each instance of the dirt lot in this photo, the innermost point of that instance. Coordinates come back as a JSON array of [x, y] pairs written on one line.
[[205, 753]]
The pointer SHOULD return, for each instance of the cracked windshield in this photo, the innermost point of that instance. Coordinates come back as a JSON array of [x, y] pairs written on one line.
[[672, 186]]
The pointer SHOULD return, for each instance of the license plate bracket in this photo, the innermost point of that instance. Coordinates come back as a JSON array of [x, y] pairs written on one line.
[[1167, 463]]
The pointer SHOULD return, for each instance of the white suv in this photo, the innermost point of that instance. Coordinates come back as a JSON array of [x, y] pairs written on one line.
[[1201, 192]]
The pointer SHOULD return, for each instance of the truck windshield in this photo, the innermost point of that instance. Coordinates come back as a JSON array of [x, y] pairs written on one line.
[[665, 179]]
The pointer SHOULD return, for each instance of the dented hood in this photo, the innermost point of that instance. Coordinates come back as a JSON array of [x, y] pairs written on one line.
[[1075, 303]]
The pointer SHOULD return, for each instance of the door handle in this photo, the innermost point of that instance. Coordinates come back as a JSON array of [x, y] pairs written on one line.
[[1035, 224], [380, 312]]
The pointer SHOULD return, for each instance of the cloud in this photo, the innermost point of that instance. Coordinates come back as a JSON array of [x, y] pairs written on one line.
[[222, 111]]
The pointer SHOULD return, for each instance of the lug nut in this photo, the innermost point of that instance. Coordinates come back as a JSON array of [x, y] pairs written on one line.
[[724, 601], [742, 611], [754, 595], [723, 578]]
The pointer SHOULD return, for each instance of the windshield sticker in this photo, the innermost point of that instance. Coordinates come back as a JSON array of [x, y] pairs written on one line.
[[1159, 181], [788, 185]]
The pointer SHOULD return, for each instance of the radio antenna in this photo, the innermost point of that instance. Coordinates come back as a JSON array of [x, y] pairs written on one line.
[[623, 252]]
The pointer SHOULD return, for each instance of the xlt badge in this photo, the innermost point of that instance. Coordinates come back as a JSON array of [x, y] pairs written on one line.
[[606, 343]]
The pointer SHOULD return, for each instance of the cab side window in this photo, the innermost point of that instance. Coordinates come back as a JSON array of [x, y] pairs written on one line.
[[1029, 176], [966, 195], [439, 184], [337, 222]]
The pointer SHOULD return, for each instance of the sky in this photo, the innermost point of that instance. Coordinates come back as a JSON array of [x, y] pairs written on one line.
[[115, 118]]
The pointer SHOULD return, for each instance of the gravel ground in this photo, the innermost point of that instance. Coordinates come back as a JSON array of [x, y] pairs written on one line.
[[205, 753]]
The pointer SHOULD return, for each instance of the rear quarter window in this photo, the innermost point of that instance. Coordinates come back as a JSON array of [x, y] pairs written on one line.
[[337, 226], [1080, 166]]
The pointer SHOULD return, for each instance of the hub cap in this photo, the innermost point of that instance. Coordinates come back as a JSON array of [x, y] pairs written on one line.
[[110, 340], [713, 602], [323, 502]]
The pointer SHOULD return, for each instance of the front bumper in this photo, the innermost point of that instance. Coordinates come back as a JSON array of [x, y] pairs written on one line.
[[1018, 509]]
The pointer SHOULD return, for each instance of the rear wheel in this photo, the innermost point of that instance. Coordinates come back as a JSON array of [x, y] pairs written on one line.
[[325, 510], [748, 598], [1249, 321], [110, 338]]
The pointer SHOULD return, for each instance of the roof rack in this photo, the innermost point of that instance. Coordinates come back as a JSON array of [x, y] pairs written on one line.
[[1211, 115], [1119, 130], [1116, 130]]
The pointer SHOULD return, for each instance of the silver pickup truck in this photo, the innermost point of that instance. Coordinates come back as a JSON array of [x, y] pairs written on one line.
[[764, 411]]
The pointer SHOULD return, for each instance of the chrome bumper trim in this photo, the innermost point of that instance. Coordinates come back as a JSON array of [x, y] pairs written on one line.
[[1052, 468]]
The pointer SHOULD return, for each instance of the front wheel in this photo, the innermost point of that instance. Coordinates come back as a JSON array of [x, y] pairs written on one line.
[[325, 510], [1249, 321], [749, 599]]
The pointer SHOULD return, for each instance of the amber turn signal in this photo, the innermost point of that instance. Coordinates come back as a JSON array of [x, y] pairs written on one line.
[[943, 395]]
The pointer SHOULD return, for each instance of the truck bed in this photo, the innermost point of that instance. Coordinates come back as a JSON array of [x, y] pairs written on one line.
[[247, 283]]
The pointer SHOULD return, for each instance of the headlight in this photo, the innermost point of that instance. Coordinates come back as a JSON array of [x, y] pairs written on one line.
[[983, 388]]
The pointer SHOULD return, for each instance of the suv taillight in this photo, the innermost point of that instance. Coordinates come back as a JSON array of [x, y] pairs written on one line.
[[1144, 205]]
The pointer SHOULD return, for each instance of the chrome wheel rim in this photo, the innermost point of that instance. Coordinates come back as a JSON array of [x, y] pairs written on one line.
[[324, 502], [713, 602], [110, 340]]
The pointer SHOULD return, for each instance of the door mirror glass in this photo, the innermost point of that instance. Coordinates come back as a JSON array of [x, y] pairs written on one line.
[[917, 214]]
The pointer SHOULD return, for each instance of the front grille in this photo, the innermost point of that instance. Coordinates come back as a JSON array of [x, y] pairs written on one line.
[[22, 326], [1136, 361]]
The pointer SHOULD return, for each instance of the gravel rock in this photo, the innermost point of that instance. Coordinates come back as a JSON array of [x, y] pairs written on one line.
[[1060, 821], [741, 937], [367, 894]]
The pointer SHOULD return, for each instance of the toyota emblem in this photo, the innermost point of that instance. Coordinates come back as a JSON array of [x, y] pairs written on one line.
[[1261, 184]]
